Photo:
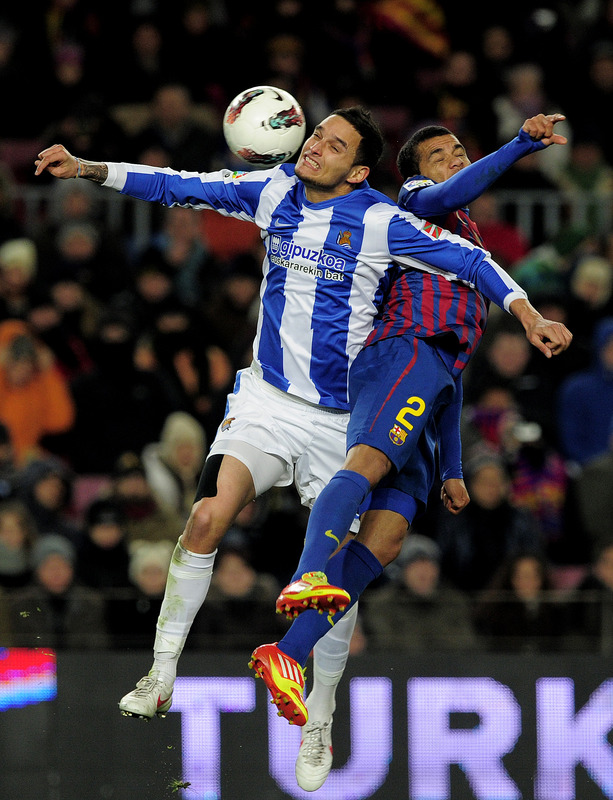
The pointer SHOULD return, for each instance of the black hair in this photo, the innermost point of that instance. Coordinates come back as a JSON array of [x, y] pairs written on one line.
[[408, 157], [370, 148]]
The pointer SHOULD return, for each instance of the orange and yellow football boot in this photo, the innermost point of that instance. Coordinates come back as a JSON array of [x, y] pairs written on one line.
[[284, 678], [312, 591]]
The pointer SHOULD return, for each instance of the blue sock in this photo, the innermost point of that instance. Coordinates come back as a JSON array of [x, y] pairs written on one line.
[[353, 568], [330, 520]]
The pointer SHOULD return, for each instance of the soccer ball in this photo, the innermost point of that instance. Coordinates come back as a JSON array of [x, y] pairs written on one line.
[[264, 126]]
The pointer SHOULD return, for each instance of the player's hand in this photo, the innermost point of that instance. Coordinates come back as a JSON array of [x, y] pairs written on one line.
[[540, 128], [551, 338], [57, 161], [454, 495]]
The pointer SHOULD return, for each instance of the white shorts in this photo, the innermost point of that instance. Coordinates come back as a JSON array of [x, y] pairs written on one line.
[[306, 442]]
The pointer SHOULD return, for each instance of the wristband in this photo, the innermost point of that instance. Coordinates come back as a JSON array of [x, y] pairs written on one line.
[[78, 175]]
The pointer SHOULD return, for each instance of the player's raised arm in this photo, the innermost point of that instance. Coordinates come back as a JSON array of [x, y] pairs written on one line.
[[57, 161]]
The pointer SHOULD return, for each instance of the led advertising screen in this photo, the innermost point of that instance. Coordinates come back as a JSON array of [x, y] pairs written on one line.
[[454, 727]]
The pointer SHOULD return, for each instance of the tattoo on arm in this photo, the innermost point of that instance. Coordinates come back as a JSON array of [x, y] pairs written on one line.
[[94, 171]]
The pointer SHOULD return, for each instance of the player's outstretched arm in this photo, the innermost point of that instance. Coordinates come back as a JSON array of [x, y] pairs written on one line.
[[57, 161], [550, 337], [467, 184]]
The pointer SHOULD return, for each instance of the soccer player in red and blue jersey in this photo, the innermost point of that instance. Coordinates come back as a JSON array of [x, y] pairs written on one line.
[[404, 386]]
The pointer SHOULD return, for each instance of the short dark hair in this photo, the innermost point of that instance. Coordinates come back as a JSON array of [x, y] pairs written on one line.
[[371, 146], [408, 157]]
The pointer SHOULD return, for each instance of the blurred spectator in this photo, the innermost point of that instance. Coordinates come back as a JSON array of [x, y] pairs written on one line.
[[199, 371], [241, 605], [461, 104], [11, 225], [505, 241], [82, 252], [593, 104], [173, 465], [594, 496], [505, 361], [72, 202], [81, 313], [181, 246], [141, 64], [47, 322], [16, 46], [417, 611], [120, 404], [54, 610], [102, 553], [496, 54], [35, 398], [539, 477], [587, 176], [230, 310], [18, 534], [144, 517], [132, 613], [9, 471], [286, 66], [519, 612], [584, 410], [69, 81], [18, 266], [45, 486], [342, 33], [149, 291], [540, 484], [545, 268], [196, 49], [591, 294], [174, 137], [525, 96], [490, 529], [593, 603]]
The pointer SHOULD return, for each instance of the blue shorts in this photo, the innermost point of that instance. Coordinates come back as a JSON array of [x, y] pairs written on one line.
[[397, 387]]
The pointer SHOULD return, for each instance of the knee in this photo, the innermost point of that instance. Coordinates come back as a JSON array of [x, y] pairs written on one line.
[[387, 550], [373, 464], [383, 535], [205, 526]]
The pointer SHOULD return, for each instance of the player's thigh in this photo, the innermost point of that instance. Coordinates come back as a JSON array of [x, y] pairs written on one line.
[[396, 389], [259, 429]]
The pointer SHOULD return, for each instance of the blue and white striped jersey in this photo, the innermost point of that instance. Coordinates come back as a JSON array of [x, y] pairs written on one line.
[[327, 267]]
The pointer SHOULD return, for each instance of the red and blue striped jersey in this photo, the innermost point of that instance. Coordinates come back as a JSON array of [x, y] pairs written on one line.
[[425, 305]]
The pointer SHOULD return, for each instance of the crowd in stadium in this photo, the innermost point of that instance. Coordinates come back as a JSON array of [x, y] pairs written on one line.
[[116, 355]]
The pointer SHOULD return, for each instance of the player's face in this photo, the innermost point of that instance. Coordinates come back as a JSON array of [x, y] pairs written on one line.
[[326, 164], [441, 157]]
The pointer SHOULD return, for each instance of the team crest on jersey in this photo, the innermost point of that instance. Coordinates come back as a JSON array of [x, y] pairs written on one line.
[[398, 435], [225, 425], [433, 230], [238, 174], [344, 239]]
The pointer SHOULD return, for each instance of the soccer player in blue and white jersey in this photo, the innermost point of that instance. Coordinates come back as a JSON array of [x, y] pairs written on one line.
[[332, 244], [407, 378]]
